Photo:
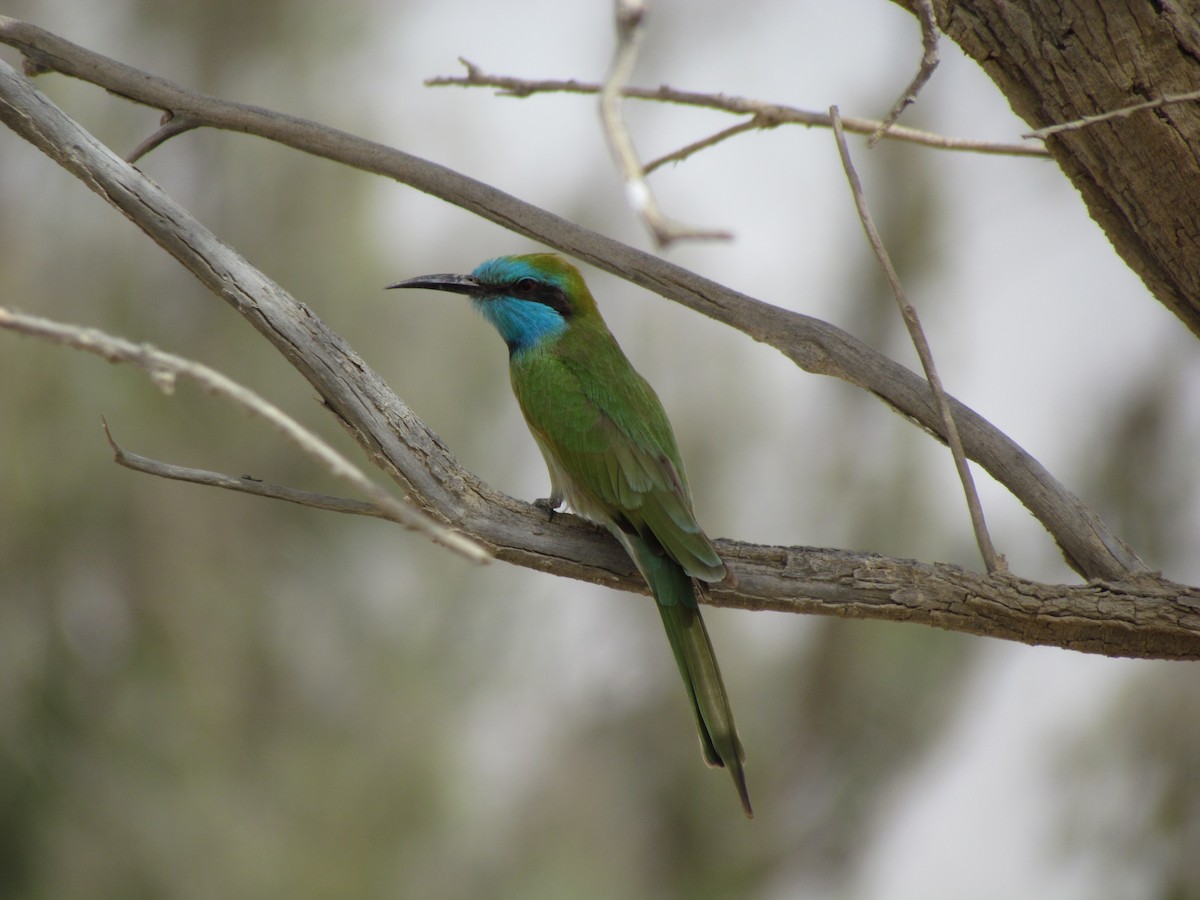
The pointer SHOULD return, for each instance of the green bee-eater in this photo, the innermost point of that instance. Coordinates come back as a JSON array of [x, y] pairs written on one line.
[[612, 457]]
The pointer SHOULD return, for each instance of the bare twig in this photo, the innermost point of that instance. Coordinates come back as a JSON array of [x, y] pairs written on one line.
[[630, 15], [246, 484], [165, 368], [768, 115], [929, 62], [1163, 100], [991, 559], [695, 147], [171, 126], [379, 420]]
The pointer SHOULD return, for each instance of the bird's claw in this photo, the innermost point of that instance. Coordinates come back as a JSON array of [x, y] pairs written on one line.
[[550, 505]]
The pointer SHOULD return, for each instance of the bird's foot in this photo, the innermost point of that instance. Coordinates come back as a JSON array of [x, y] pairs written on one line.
[[550, 505]]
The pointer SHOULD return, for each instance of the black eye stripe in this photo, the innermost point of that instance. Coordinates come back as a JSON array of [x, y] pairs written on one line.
[[550, 295]]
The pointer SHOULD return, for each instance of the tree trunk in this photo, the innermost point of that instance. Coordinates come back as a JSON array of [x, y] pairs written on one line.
[[1139, 174]]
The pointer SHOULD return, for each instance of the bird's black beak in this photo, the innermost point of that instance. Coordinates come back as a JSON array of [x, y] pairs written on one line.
[[457, 284]]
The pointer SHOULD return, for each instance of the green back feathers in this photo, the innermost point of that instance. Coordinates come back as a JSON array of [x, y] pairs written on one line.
[[608, 442]]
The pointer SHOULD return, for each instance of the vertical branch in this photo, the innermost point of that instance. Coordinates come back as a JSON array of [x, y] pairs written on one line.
[[991, 559], [929, 62], [630, 15]]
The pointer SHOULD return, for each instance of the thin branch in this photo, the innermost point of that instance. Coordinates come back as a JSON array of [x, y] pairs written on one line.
[[630, 15], [245, 485], [929, 62], [384, 426], [768, 114], [171, 126], [165, 368], [1124, 111], [683, 153], [991, 560]]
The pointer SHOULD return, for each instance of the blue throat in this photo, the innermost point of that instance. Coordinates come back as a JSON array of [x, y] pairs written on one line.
[[523, 324]]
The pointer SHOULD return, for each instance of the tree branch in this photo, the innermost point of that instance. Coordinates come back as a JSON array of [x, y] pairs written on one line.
[[165, 369], [992, 562], [245, 485], [767, 115], [815, 346], [929, 62], [1119, 113], [171, 126], [1145, 616], [630, 16], [712, 140]]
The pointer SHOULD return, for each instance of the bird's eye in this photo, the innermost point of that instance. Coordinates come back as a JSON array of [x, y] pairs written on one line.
[[525, 285]]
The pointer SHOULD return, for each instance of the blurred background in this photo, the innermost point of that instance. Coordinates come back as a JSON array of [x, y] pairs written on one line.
[[209, 695]]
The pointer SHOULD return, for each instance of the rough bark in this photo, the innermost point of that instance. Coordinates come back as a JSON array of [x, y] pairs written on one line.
[[1139, 174]]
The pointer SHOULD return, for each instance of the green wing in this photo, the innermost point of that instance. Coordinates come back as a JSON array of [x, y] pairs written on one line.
[[610, 447], [612, 455]]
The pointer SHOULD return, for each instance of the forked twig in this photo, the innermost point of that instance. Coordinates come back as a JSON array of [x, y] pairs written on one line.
[[929, 62], [768, 115], [630, 14], [245, 484], [994, 562], [165, 369]]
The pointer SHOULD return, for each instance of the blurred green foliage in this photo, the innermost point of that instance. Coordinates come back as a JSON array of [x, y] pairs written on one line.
[[207, 695]]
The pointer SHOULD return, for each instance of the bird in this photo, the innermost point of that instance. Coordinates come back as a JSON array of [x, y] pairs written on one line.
[[612, 458]]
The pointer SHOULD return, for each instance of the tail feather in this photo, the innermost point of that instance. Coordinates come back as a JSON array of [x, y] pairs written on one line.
[[675, 592], [693, 650]]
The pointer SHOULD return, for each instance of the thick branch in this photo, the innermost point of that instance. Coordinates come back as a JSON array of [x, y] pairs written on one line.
[[813, 345], [1109, 619]]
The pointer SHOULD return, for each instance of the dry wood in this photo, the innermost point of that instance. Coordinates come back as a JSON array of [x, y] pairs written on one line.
[[1143, 615]]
